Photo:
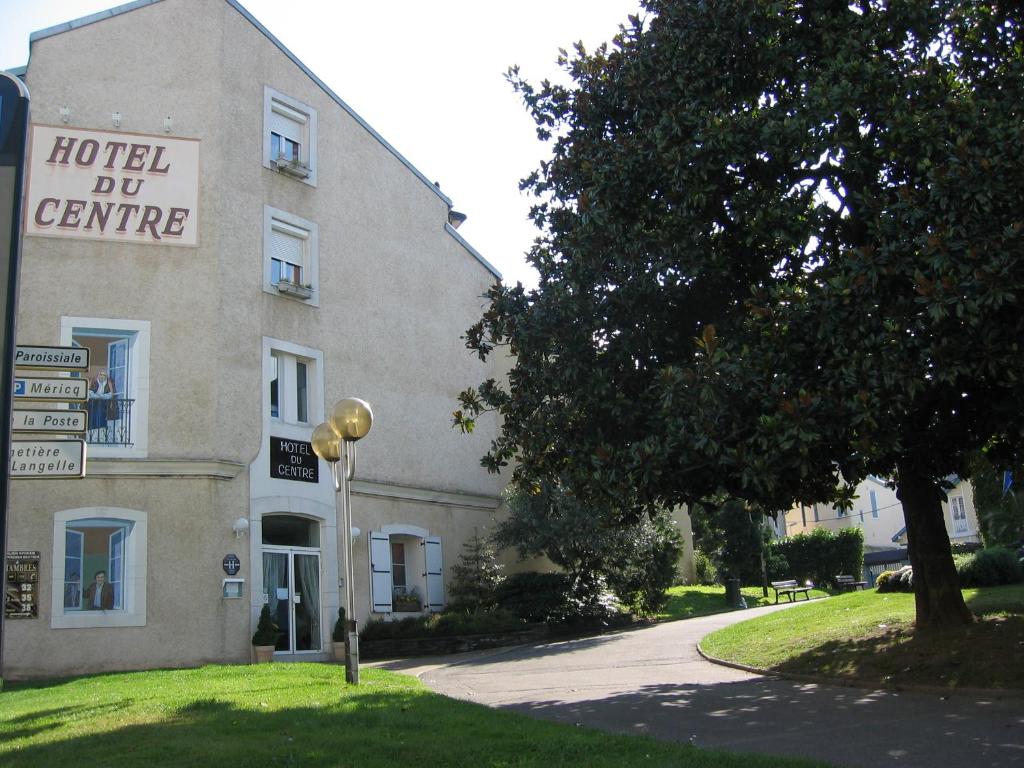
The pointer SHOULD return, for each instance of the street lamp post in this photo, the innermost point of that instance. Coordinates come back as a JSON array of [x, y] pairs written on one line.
[[334, 441]]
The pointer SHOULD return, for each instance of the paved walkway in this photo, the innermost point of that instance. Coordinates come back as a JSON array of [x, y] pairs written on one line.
[[653, 681]]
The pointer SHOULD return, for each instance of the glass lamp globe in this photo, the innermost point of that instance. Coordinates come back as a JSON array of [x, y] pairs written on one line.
[[351, 418], [326, 444]]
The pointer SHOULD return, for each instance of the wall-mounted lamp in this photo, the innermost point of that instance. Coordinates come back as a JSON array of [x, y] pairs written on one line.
[[240, 527]]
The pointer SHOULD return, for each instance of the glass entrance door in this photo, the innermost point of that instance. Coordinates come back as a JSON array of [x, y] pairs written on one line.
[[291, 584]]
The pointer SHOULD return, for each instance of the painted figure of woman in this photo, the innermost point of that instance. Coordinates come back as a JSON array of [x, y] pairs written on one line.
[[101, 392]]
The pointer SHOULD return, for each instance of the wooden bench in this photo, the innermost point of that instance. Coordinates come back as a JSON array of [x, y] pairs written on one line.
[[845, 582], [791, 588]]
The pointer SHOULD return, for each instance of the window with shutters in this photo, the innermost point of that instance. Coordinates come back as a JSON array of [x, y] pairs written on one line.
[[406, 570], [291, 259], [289, 136]]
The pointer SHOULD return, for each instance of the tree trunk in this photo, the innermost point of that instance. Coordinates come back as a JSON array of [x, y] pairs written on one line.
[[936, 584]]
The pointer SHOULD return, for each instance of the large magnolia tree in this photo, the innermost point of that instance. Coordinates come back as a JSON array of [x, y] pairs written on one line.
[[780, 250]]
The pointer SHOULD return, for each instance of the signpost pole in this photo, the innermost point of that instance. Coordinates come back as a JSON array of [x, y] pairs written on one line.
[[14, 109]]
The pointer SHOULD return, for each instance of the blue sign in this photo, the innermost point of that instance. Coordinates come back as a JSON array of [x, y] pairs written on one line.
[[19, 387]]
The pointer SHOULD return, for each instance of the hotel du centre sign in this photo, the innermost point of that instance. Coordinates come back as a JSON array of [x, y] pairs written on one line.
[[104, 185]]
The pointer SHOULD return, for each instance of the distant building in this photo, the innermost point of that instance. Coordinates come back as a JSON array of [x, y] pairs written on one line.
[[878, 513]]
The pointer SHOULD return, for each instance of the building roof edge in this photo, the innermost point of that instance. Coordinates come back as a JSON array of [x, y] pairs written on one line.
[[472, 251]]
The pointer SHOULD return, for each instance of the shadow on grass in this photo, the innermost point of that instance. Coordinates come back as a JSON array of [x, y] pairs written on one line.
[[842, 726], [985, 654], [360, 729]]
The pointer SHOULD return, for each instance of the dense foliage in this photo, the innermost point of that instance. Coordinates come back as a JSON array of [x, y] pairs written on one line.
[[551, 598], [821, 555], [704, 569], [990, 567], [780, 248], [1000, 513], [266, 632], [447, 624], [637, 560]]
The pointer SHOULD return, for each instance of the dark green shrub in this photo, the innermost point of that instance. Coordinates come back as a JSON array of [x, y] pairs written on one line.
[[704, 570], [536, 597], [266, 630], [448, 624], [554, 599], [988, 568], [647, 566], [777, 565]]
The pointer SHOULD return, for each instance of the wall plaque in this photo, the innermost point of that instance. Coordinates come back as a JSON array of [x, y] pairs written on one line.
[[22, 585]]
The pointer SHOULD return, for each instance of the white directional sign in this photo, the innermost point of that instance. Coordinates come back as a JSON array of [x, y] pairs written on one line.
[[62, 422], [48, 458], [52, 358], [57, 390]]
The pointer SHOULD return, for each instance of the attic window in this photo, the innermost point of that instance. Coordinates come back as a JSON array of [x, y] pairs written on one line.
[[289, 136]]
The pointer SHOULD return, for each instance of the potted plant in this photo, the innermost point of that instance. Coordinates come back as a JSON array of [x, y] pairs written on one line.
[[338, 635], [265, 637]]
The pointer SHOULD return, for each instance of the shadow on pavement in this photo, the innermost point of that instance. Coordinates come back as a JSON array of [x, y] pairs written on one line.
[[843, 726]]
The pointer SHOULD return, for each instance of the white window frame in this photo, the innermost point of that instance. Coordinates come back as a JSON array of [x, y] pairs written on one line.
[[138, 374], [961, 525], [133, 613], [309, 233], [304, 119], [289, 353], [287, 387]]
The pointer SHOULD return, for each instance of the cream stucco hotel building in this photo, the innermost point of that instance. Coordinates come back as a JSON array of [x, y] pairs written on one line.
[[238, 250]]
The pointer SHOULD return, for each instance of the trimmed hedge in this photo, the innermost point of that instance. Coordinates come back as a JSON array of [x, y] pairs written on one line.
[[447, 624], [990, 567], [820, 555]]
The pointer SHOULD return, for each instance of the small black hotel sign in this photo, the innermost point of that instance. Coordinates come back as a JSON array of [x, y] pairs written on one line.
[[293, 460]]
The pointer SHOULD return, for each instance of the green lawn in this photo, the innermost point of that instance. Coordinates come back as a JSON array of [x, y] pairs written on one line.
[[299, 715], [870, 636], [687, 602]]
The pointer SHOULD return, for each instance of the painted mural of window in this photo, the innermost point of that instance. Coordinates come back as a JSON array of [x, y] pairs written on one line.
[[959, 513], [73, 541], [111, 384], [94, 564]]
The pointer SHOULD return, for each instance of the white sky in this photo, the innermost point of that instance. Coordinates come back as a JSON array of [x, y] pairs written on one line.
[[428, 76]]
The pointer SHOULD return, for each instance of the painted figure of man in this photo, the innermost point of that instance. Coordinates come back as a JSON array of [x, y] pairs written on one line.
[[99, 596]]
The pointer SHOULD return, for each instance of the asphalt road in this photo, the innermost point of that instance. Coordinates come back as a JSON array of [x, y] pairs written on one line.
[[653, 681]]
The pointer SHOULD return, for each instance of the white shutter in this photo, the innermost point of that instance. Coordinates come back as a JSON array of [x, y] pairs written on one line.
[[435, 573], [287, 122], [380, 572], [286, 244]]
